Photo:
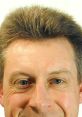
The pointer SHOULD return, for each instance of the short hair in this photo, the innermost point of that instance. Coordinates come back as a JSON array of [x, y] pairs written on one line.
[[40, 23]]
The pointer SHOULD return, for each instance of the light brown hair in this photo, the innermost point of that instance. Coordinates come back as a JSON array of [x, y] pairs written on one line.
[[38, 23]]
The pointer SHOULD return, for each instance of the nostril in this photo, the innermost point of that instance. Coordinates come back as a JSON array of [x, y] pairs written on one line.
[[35, 109]]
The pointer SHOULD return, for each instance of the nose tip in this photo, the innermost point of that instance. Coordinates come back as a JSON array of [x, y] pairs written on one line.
[[40, 102], [45, 105], [40, 105], [40, 99]]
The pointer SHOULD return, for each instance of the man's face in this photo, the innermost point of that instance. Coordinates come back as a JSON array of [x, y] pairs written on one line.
[[40, 79]]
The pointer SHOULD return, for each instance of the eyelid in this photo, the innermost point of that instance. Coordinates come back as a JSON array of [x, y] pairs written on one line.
[[61, 76], [22, 79], [19, 75], [57, 78], [18, 84], [12, 81], [30, 80]]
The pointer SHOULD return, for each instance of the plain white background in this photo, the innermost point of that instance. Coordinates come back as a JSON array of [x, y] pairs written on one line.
[[72, 7]]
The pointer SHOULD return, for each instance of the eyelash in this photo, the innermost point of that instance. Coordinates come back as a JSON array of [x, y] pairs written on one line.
[[24, 83], [56, 81]]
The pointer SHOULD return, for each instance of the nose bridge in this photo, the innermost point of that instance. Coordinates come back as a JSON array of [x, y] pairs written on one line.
[[41, 93], [40, 97]]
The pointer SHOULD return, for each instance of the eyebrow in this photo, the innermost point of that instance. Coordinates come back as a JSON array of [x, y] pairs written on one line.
[[18, 73], [60, 71]]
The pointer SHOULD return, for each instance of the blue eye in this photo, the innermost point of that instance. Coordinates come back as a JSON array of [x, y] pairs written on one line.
[[24, 83], [56, 81]]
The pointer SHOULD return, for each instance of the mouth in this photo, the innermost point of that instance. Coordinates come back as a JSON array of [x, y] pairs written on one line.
[[30, 113]]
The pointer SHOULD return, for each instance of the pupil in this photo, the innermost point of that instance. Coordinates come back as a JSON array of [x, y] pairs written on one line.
[[57, 81], [23, 82]]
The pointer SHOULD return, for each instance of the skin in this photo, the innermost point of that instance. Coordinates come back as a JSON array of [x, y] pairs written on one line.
[[40, 79]]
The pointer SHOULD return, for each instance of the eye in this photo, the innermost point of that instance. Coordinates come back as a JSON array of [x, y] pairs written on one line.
[[56, 81], [23, 83]]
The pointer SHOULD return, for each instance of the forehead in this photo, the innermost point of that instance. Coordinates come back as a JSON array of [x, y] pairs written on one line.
[[44, 41], [52, 52], [57, 45]]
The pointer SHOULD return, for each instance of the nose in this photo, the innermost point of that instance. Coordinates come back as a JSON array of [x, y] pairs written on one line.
[[40, 99]]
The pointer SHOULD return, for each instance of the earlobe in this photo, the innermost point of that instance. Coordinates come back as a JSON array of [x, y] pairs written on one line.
[[1, 94], [80, 93]]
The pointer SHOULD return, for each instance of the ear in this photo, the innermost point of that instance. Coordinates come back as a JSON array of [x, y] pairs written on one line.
[[80, 93], [1, 93]]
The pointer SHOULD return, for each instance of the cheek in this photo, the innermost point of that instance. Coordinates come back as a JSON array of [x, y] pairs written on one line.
[[14, 102], [65, 100], [69, 103], [18, 100]]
